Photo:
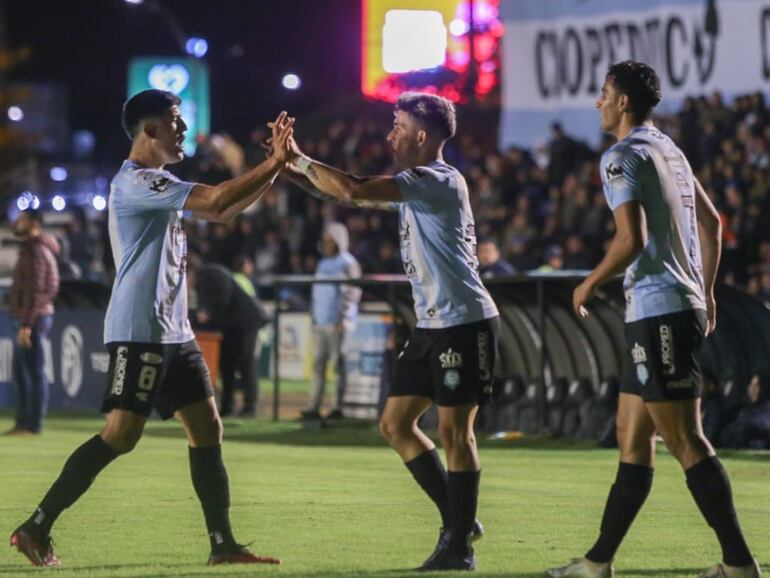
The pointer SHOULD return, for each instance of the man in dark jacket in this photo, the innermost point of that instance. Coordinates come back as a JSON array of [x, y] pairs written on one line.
[[225, 306], [34, 288]]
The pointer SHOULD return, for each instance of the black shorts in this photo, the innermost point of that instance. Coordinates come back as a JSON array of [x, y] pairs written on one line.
[[452, 366], [661, 357], [167, 377]]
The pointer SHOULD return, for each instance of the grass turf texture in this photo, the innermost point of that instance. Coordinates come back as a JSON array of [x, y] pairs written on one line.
[[338, 503]]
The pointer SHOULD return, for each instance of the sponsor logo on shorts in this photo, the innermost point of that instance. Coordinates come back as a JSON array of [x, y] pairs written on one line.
[[119, 377], [483, 345], [151, 358], [450, 359], [686, 383], [452, 379], [642, 373], [638, 353], [667, 350], [403, 351]]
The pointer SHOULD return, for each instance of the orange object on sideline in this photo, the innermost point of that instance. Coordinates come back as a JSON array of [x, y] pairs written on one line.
[[210, 343]]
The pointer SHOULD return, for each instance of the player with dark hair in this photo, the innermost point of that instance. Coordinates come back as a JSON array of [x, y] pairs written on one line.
[[154, 359], [667, 240], [451, 356]]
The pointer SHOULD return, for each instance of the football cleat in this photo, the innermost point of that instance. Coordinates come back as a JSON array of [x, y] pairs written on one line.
[[440, 551], [443, 559], [39, 552], [725, 571], [582, 568], [239, 555]]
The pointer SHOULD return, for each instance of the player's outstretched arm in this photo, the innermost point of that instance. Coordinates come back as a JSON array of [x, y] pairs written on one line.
[[224, 201], [628, 242], [343, 186], [303, 182], [710, 237]]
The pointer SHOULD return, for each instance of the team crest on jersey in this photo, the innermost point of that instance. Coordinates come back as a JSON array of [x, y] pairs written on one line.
[[638, 353], [613, 171], [450, 359], [160, 184], [452, 379]]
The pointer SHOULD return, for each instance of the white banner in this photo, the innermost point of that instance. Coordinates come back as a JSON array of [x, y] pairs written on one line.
[[556, 55]]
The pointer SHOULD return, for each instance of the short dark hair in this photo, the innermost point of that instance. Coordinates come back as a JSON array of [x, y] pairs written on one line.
[[146, 104], [435, 112], [640, 83]]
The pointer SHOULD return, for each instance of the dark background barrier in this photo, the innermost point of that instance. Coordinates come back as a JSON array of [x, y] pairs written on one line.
[[543, 343]]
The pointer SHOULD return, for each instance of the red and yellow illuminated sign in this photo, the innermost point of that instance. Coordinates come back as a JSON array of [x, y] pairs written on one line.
[[425, 45]]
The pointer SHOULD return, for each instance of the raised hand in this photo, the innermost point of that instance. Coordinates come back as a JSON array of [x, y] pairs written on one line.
[[282, 128]]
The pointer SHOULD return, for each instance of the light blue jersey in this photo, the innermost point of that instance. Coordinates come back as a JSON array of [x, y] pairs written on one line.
[[333, 303], [438, 248], [149, 297], [667, 277]]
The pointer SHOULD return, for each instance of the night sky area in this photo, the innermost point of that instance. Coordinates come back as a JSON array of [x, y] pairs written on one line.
[[86, 45]]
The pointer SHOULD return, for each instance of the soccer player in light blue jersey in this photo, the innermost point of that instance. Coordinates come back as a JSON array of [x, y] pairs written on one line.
[[450, 358], [667, 240], [155, 362]]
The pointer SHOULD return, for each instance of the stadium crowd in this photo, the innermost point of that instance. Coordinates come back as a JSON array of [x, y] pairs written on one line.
[[541, 209]]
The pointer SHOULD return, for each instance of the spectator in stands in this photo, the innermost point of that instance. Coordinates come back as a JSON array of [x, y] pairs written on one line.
[[751, 429], [564, 153], [335, 308], [491, 264], [576, 256], [33, 290], [388, 260], [243, 274], [225, 306], [554, 260], [81, 246], [272, 253]]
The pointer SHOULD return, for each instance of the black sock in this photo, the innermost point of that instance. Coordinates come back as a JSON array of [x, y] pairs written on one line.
[[76, 477], [627, 495], [209, 478], [710, 486], [429, 472], [463, 499]]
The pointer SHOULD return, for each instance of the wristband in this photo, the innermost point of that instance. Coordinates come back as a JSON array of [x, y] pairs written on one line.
[[303, 164]]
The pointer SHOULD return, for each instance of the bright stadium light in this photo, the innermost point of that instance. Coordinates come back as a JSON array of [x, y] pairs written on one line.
[[99, 203], [413, 40], [58, 174], [15, 113], [197, 47], [23, 202], [58, 203], [458, 27], [291, 81], [134, 1], [35, 204]]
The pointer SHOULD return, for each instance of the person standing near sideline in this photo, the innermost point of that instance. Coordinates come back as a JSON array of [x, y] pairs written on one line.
[[31, 306], [334, 310]]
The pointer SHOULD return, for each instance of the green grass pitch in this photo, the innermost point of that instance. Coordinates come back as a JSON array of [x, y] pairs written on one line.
[[338, 503]]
